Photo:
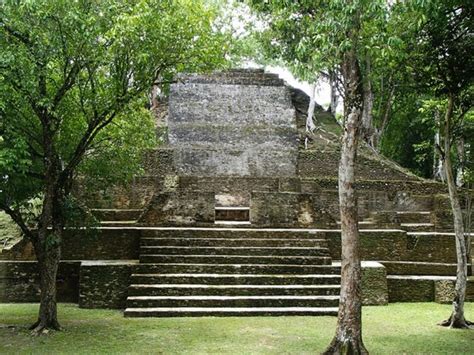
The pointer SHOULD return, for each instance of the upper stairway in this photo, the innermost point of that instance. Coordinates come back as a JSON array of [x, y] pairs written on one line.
[[223, 271]]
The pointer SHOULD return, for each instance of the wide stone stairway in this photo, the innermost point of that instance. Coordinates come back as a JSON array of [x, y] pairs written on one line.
[[233, 271]]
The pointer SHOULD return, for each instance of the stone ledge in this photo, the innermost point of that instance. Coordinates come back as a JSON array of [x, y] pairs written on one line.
[[374, 283], [426, 288]]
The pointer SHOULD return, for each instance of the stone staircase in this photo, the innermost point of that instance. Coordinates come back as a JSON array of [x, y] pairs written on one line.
[[233, 271], [410, 221], [114, 217]]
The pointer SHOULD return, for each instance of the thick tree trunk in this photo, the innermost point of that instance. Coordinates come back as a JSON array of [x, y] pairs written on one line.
[[456, 320], [48, 237], [348, 338], [48, 255]]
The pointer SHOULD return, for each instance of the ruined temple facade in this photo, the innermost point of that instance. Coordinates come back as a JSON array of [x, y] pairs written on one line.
[[235, 150], [235, 216]]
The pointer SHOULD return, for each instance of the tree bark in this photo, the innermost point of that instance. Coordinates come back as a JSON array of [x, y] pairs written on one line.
[[48, 237], [378, 133], [310, 126], [348, 338], [456, 320], [367, 117], [48, 255], [438, 162], [333, 88]]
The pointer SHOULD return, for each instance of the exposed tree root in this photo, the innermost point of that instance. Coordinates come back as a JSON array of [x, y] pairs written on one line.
[[346, 347], [454, 323], [43, 328]]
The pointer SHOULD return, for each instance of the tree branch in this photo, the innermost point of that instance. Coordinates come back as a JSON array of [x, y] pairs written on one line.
[[18, 219]]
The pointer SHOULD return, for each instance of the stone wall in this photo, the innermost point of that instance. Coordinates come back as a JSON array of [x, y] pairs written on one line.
[[180, 208], [425, 289], [397, 245], [19, 281], [238, 123], [289, 210], [112, 243], [374, 284], [105, 284]]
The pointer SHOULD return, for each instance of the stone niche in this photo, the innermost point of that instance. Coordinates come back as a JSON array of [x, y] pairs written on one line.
[[232, 124]]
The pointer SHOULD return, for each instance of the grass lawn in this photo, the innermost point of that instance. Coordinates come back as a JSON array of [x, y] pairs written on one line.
[[403, 328]]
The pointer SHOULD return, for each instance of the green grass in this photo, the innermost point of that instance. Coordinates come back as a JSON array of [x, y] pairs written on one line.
[[395, 329]]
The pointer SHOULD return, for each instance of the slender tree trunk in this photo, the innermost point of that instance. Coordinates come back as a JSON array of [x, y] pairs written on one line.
[[348, 338], [378, 133], [438, 162], [367, 117], [310, 126], [460, 149], [333, 88], [456, 320]]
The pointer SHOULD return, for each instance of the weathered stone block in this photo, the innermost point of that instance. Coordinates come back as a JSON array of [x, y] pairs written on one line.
[[288, 209], [374, 284], [104, 284], [19, 281], [374, 244], [113, 243], [180, 208], [444, 291], [410, 289], [225, 128]]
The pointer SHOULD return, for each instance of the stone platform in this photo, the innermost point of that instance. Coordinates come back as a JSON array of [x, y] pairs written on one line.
[[234, 216]]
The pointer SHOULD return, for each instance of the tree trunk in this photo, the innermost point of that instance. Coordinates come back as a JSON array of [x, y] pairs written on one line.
[[348, 338], [456, 320], [333, 88], [49, 233], [48, 254], [378, 133], [367, 118], [438, 163], [310, 126], [460, 149]]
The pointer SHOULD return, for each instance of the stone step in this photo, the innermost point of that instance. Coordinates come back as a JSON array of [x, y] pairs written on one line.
[[236, 259], [414, 216], [237, 268], [232, 233], [231, 290], [228, 242], [418, 227], [232, 213], [420, 268], [236, 279], [232, 301], [243, 251], [228, 312], [118, 223], [114, 214], [234, 224]]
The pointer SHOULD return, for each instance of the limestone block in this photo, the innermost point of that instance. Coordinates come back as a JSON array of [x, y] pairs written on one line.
[[374, 284], [19, 281], [104, 284], [288, 209], [179, 208], [444, 291], [410, 289]]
